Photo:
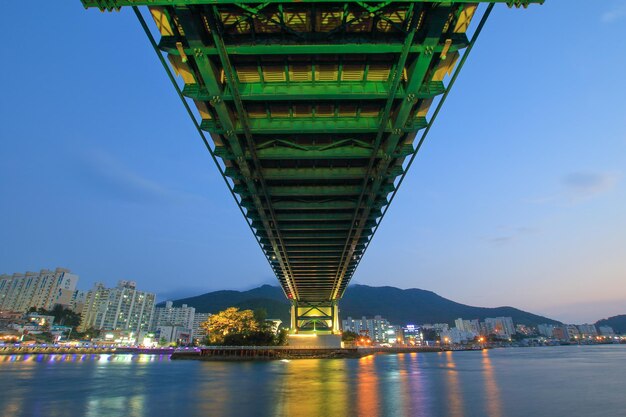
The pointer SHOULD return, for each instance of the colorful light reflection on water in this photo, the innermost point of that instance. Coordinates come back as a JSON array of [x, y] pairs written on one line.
[[498, 383]]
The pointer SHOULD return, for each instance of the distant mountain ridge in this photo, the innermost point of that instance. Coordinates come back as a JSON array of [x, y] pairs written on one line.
[[396, 305], [618, 323]]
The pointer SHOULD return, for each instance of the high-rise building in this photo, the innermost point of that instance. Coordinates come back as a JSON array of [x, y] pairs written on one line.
[[606, 331], [43, 289], [500, 326], [174, 316], [546, 329], [560, 333], [376, 328], [197, 330], [587, 330], [468, 326], [121, 308], [572, 331], [77, 301]]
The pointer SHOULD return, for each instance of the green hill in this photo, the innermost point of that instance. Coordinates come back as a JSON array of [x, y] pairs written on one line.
[[618, 323], [396, 305]]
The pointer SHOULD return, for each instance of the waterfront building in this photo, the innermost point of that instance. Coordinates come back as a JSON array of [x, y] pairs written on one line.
[[173, 334], [43, 289], [606, 331], [441, 327], [456, 336], [546, 329], [587, 330], [375, 328], [572, 331], [197, 332], [500, 326], [77, 301], [122, 308], [469, 326], [411, 335], [560, 333], [169, 315]]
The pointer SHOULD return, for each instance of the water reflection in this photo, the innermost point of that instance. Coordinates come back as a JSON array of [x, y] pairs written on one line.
[[367, 402], [313, 387], [55, 358], [492, 393], [456, 384], [453, 389]]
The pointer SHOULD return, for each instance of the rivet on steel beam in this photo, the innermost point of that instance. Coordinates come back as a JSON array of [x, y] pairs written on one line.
[[181, 51], [446, 48]]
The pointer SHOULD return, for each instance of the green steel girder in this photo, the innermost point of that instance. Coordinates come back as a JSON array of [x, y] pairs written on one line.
[[311, 205], [415, 80], [168, 44], [341, 173], [293, 243], [314, 137], [307, 235], [297, 226], [208, 72], [313, 91], [344, 152], [314, 250], [316, 216], [306, 125], [330, 190], [349, 247], [116, 4]]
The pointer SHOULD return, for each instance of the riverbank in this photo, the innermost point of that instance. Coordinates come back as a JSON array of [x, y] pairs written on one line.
[[261, 353], [75, 350]]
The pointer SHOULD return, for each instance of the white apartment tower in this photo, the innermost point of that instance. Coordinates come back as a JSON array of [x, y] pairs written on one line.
[[43, 289], [174, 316], [120, 308], [197, 331], [376, 327]]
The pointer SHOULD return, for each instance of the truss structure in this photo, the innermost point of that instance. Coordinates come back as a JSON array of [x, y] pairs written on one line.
[[313, 108]]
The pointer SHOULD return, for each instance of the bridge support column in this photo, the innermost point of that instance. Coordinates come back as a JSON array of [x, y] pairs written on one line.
[[320, 317]]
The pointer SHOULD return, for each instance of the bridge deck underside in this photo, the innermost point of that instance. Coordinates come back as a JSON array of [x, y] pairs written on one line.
[[313, 107]]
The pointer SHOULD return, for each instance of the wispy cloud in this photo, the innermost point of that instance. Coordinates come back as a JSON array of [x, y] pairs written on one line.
[[506, 235], [580, 186], [103, 171], [584, 185], [616, 13]]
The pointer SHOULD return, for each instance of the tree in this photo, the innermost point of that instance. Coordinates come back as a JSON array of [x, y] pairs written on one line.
[[349, 336], [230, 321], [242, 328]]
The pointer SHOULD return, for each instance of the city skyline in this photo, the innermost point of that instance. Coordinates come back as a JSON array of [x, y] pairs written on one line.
[[517, 197]]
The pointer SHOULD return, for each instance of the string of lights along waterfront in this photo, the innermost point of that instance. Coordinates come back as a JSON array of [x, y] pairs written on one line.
[[316, 110], [490, 383]]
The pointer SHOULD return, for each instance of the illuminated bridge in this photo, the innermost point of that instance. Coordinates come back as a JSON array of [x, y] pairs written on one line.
[[315, 111]]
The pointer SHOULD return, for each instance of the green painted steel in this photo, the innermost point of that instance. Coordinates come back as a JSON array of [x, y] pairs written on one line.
[[313, 107]]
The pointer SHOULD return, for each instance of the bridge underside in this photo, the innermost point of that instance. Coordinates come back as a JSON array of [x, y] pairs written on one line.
[[313, 108]]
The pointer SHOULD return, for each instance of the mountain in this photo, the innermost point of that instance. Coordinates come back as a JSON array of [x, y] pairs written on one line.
[[421, 306], [272, 299], [618, 323], [396, 305]]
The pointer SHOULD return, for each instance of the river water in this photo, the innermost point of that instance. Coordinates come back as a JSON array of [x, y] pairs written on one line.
[[569, 381]]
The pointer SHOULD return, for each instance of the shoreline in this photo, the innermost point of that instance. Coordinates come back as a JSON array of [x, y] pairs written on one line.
[[258, 353], [250, 353]]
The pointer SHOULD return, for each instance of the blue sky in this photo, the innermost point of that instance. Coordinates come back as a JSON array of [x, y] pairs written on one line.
[[517, 197]]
